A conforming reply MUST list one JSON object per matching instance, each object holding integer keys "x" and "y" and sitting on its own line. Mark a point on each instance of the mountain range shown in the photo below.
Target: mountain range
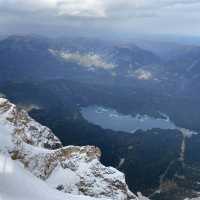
{"x": 52, "y": 79}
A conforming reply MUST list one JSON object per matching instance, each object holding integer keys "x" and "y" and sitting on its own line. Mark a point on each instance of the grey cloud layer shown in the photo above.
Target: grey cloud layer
{"x": 89, "y": 8}
{"x": 110, "y": 13}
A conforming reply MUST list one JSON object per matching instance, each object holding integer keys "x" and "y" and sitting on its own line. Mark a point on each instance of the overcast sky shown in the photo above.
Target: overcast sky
{"x": 119, "y": 17}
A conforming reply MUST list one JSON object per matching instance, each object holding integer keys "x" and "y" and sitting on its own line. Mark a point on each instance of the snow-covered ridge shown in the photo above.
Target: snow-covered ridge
{"x": 20, "y": 126}
{"x": 71, "y": 169}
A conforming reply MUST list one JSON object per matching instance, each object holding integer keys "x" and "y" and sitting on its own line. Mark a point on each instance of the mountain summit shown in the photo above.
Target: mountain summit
{"x": 26, "y": 148}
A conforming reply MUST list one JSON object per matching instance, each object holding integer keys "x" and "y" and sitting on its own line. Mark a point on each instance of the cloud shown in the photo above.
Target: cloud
{"x": 99, "y": 15}
{"x": 73, "y": 8}
{"x": 143, "y": 8}
{"x": 81, "y": 8}
{"x": 141, "y": 74}
{"x": 90, "y": 8}
{"x": 26, "y": 5}
{"x": 89, "y": 60}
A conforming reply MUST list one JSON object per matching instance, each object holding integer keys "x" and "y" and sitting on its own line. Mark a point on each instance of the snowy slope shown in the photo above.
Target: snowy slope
{"x": 71, "y": 169}
{"x": 18, "y": 184}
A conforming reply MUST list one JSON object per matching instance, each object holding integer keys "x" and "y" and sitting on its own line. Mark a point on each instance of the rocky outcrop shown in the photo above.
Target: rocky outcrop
{"x": 24, "y": 128}
{"x": 70, "y": 169}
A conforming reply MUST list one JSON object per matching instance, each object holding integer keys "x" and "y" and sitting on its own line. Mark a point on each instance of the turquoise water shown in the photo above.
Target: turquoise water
{"x": 108, "y": 118}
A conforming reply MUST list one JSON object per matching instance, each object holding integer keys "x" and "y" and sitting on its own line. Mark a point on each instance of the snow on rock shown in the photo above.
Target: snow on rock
{"x": 16, "y": 183}
{"x": 23, "y": 127}
{"x": 141, "y": 197}
{"x": 72, "y": 169}
{"x": 90, "y": 178}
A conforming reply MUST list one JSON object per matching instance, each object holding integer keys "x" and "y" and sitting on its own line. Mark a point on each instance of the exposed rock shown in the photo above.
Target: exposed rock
{"x": 70, "y": 169}
{"x": 25, "y": 128}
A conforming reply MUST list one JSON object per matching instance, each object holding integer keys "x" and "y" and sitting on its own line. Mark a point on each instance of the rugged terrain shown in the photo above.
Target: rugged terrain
{"x": 53, "y": 78}
{"x": 71, "y": 169}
